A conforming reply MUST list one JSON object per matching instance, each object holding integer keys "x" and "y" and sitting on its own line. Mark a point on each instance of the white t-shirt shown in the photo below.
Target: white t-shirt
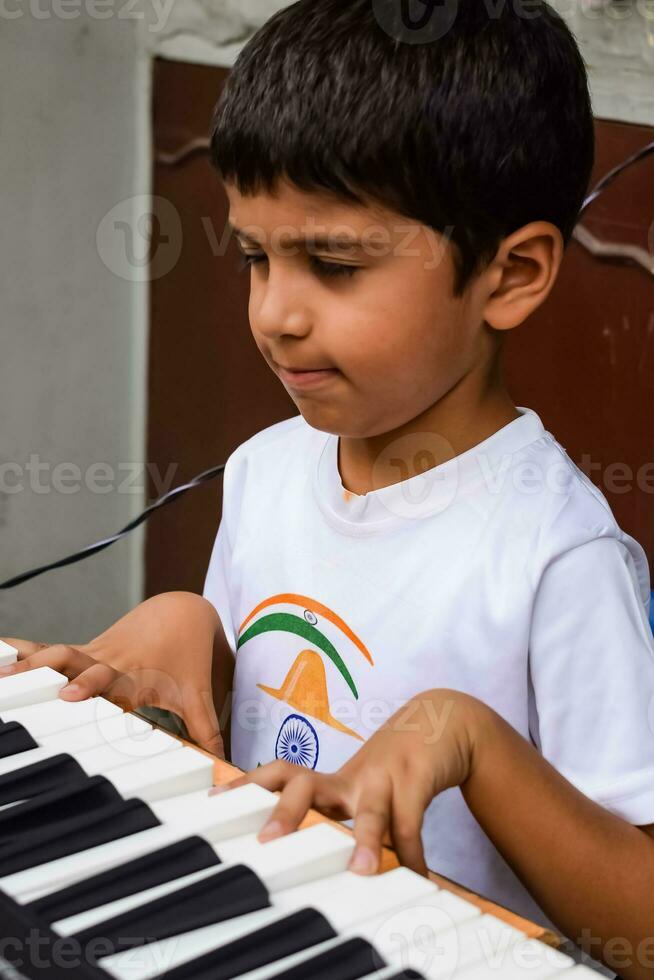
{"x": 501, "y": 573}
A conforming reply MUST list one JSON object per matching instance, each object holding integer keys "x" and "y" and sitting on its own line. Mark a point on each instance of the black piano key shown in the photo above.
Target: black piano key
{"x": 15, "y": 738}
{"x": 40, "y": 777}
{"x": 88, "y": 830}
{"x": 350, "y": 960}
{"x": 166, "y": 864}
{"x": 227, "y": 894}
{"x": 31, "y": 951}
{"x": 407, "y": 975}
{"x": 56, "y": 807}
{"x": 292, "y": 934}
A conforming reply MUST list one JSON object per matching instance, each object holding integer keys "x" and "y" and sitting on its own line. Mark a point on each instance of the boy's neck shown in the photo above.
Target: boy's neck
{"x": 454, "y": 424}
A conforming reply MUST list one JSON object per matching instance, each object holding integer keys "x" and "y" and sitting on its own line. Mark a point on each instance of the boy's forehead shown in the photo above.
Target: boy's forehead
{"x": 300, "y": 214}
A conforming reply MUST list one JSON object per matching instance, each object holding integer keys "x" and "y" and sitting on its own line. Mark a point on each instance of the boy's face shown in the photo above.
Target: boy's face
{"x": 376, "y": 317}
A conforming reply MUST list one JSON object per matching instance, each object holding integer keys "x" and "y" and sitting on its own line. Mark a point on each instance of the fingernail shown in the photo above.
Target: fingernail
{"x": 6, "y": 670}
{"x": 364, "y": 861}
{"x": 270, "y": 831}
{"x": 70, "y": 689}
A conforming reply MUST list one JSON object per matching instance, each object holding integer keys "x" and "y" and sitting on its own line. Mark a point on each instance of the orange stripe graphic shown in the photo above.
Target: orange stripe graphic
{"x": 314, "y": 606}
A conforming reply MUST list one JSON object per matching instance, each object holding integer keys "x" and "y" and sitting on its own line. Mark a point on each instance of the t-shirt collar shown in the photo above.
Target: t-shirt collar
{"x": 424, "y": 494}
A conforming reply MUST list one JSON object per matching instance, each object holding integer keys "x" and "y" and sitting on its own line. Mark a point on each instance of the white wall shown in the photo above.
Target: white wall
{"x": 74, "y": 112}
{"x": 75, "y": 130}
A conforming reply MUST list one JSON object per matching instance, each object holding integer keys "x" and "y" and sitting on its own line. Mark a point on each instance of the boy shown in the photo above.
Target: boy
{"x": 402, "y": 206}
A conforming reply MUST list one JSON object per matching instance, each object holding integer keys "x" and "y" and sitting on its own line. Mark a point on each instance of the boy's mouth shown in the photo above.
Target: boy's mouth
{"x": 305, "y": 378}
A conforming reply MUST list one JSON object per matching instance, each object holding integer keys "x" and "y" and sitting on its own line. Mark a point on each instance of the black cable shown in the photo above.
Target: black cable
{"x": 612, "y": 174}
{"x": 94, "y": 549}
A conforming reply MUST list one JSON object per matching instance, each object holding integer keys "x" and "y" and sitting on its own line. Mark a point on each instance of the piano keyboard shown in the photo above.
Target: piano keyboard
{"x": 116, "y": 863}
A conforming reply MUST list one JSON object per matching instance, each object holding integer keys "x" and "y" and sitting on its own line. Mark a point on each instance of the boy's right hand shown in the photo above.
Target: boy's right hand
{"x": 159, "y": 654}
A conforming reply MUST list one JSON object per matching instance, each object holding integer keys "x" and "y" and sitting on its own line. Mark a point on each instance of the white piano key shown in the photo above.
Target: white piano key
{"x": 149, "y": 961}
{"x": 298, "y": 858}
{"x": 312, "y": 891}
{"x": 290, "y": 898}
{"x": 58, "y": 716}
{"x": 8, "y": 654}
{"x": 247, "y": 849}
{"x": 356, "y": 897}
{"x": 167, "y": 774}
{"x": 353, "y": 901}
{"x": 421, "y": 937}
{"x": 33, "y": 883}
{"x": 441, "y": 953}
{"x": 371, "y": 907}
{"x": 304, "y": 856}
{"x": 30, "y": 687}
{"x": 364, "y": 898}
{"x": 528, "y": 958}
{"x": 149, "y": 780}
{"x": 95, "y": 734}
{"x": 214, "y": 817}
{"x": 435, "y": 912}
{"x": 102, "y": 913}
{"x": 242, "y": 810}
{"x": 102, "y": 758}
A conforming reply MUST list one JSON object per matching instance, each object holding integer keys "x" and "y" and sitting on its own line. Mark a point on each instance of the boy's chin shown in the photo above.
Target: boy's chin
{"x": 326, "y": 420}
{"x": 318, "y": 417}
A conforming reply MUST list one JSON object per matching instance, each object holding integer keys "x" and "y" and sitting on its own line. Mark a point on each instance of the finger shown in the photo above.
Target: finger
{"x": 25, "y": 647}
{"x": 371, "y": 821}
{"x": 95, "y": 680}
{"x": 66, "y": 660}
{"x": 233, "y": 784}
{"x": 201, "y": 721}
{"x": 273, "y": 777}
{"x": 407, "y": 814}
{"x": 295, "y": 801}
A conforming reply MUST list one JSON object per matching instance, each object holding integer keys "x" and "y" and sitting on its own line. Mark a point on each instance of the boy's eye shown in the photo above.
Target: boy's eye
{"x": 328, "y": 269}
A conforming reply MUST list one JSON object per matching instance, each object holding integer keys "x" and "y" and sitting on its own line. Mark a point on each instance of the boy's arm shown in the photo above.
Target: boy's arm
{"x": 591, "y": 871}
{"x": 169, "y": 652}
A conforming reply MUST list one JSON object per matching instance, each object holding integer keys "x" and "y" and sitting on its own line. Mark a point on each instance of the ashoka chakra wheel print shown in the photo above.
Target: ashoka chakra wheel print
{"x": 297, "y": 742}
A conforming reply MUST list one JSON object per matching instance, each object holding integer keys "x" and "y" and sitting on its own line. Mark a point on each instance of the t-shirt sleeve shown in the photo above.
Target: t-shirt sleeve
{"x": 592, "y": 674}
{"x": 218, "y": 580}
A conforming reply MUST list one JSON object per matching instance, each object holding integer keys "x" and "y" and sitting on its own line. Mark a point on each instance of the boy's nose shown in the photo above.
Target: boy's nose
{"x": 280, "y": 314}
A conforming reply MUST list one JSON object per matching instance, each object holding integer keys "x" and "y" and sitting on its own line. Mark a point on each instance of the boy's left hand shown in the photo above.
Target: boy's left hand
{"x": 425, "y": 748}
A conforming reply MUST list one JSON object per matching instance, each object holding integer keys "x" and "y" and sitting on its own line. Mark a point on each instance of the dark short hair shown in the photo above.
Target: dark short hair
{"x": 477, "y": 133}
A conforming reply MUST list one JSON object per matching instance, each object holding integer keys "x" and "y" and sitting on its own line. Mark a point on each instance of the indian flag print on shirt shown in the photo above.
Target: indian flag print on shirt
{"x": 320, "y": 640}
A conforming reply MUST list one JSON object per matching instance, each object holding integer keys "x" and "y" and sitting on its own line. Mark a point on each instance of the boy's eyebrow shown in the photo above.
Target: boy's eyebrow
{"x": 340, "y": 240}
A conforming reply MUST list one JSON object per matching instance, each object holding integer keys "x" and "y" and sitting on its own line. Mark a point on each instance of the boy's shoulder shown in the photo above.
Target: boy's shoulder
{"x": 274, "y": 454}
{"x": 289, "y": 433}
{"x": 567, "y": 495}
{"x": 570, "y": 510}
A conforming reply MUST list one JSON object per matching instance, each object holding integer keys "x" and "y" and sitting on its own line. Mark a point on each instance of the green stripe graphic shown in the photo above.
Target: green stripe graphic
{"x": 287, "y": 623}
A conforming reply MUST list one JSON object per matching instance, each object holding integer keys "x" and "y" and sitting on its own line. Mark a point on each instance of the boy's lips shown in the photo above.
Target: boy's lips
{"x": 309, "y": 378}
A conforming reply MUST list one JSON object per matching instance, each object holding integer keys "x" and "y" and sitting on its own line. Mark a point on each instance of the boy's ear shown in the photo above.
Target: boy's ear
{"x": 522, "y": 274}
